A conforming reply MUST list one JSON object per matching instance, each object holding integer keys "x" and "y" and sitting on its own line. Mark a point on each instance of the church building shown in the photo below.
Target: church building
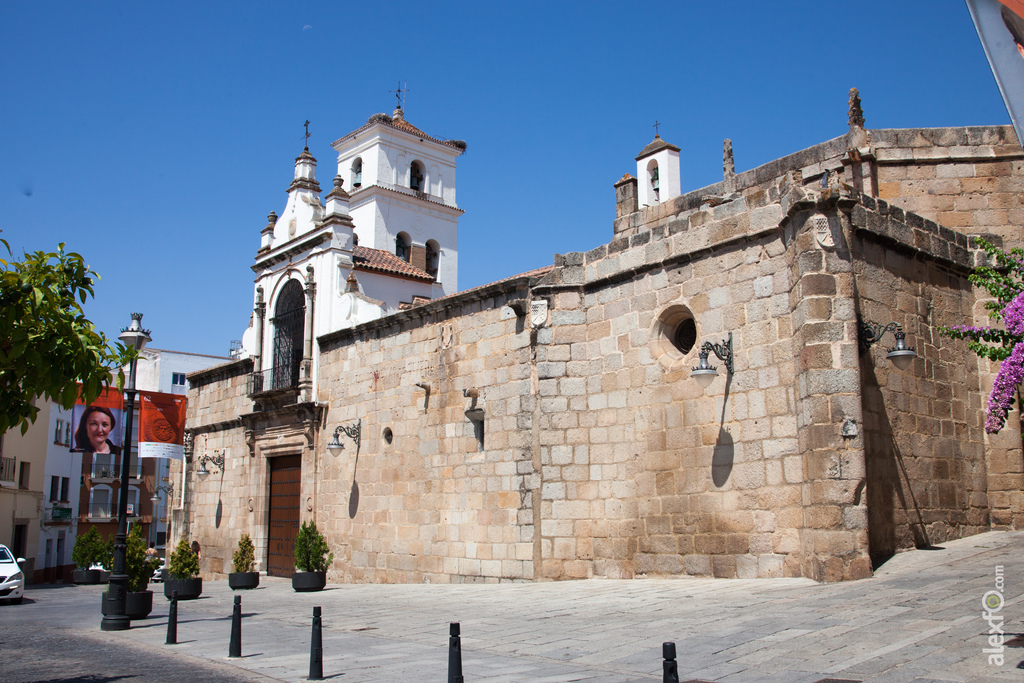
{"x": 747, "y": 380}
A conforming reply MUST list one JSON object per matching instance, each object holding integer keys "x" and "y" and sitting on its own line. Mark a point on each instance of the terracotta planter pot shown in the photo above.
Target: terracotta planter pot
{"x": 86, "y": 577}
{"x": 304, "y": 582}
{"x": 243, "y": 580}
{"x": 136, "y": 605}
{"x": 188, "y": 589}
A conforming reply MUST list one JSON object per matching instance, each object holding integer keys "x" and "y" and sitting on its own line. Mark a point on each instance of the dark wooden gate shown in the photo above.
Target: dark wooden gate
{"x": 285, "y": 476}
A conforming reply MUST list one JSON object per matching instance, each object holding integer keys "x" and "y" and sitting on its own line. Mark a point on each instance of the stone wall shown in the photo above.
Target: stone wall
{"x": 216, "y": 514}
{"x": 924, "y": 428}
{"x": 969, "y": 179}
{"x": 645, "y": 473}
{"x": 428, "y": 497}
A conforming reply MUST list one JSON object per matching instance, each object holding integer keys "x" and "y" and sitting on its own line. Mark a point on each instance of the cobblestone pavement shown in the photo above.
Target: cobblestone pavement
{"x": 918, "y": 619}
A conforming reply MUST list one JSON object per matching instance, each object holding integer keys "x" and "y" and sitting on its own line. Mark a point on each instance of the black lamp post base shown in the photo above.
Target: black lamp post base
{"x": 115, "y": 622}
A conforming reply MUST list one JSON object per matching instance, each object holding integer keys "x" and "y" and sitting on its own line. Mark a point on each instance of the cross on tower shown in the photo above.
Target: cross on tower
{"x": 656, "y": 124}
{"x": 306, "y": 136}
{"x": 398, "y": 94}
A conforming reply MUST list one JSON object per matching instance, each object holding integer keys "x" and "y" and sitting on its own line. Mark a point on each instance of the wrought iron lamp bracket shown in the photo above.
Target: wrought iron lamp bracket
{"x": 352, "y": 431}
{"x": 723, "y": 351}
{"x": 217, "y": 460}
{"x": 871, "y": 332}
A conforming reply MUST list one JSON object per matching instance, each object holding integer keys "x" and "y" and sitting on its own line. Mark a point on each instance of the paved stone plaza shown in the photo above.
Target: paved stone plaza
{"x": 918, "y": 619}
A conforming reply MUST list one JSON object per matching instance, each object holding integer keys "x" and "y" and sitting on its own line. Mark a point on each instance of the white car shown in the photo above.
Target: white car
{"x": 12, "y": 580}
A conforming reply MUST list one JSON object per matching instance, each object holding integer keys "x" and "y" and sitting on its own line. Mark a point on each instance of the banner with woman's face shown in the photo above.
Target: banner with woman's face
{"x": 99, "y": 426}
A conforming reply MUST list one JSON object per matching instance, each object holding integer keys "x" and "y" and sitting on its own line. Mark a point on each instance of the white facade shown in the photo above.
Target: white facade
{"x": 61, "y": 491}
{"x": 342, "y": 252}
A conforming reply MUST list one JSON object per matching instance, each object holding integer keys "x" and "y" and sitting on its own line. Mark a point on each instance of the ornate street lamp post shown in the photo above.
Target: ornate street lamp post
{"x": 115, "y": 619}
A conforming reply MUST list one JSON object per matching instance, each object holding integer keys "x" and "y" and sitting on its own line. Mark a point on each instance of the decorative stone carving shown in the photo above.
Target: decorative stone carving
{"x": 538, "y": 312}
{"x": 822, "y": 231}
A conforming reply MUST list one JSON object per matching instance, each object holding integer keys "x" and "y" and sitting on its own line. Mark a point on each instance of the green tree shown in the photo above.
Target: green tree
{"x": 47, "y": 345}
{"x": 310, "y": 549}
{"x": 244, "y": 559}
{"x": 89, "y": 549}
{"x": 137, "y": 566}
{"x": 183, "y": 562}
{"x": 1004, "y": 282}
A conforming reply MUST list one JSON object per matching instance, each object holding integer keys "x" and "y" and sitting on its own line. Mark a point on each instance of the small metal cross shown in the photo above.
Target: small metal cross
{"x": 398, "y": 94}
{"x": 306, "y": 136}
{"x": 656, "y": 124}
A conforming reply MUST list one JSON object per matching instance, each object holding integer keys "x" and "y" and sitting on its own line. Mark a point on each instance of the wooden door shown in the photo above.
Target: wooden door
{"x": 285, "y": 483}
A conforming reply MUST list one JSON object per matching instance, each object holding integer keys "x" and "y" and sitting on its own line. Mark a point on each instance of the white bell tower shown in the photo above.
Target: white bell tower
{"x": 402, "y": 187}
{"x": 657, "y": 173}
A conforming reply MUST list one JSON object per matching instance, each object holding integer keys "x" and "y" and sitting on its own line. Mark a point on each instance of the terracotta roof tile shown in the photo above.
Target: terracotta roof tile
{"x": 656, "y": 145}
{"x": 379, "y": 261}
{"x": 398, "y": 121}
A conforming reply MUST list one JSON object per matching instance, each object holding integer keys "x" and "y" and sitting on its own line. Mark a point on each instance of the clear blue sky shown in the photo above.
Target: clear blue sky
{"x": 154, "y": 139}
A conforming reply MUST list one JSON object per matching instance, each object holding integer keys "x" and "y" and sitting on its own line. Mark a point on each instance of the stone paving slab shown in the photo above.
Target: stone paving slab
{"x": 918, "y": 619}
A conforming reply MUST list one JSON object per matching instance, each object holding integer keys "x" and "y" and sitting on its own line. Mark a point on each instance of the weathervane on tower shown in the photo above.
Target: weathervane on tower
{"x": 399, "y": 94}
{"x": 306, "y": 136}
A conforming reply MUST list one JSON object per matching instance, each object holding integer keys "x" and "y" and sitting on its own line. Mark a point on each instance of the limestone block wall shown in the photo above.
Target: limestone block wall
{"x": 218, "y": 394}
{"x": 834, "y": 514}
{"x": 434, "y": 495}
{"x": 215, "y": 512}
{"x": 643, "y": 471}
{"x": 924, "y": 439}
{"x": 970, "y": 179}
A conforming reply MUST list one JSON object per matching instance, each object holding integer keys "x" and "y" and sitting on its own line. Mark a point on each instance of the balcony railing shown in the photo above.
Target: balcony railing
{"x": 8, "y": 466}
{"x": 102, "y": 510}
{"x": 281, "y": 377}
{"x": 112, "y": 470}
{"x": 104, "y": 471}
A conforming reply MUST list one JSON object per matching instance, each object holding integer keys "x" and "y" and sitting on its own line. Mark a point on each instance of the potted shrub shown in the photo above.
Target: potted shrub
{"x": 183, "y": 573}
{"x": 312, "y": 557}
{"x": 244, "y": 575}
{"x": 140, "y": 569}
{"x": 89, "y": 550}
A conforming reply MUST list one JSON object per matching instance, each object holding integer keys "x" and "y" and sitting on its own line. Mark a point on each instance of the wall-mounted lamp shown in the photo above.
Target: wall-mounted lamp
{"x": 217, "y": 460}
{"x": 166, "y": 488}
{"x": 352, "y": 431}
{"x": 425, "y": 386}
{"x": 705, "y": 374}
{"x": 901, "y": 355}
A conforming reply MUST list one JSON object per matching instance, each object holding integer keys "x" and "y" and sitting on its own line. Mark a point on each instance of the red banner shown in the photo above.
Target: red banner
{"x": 161, "y": 425}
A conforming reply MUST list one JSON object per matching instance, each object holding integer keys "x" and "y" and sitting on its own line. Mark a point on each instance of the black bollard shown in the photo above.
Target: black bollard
{"x": 669, "y": 666}
{"x": 316, "y": 649}
{"x": 454, "y": 654}
{"x": 172, "y": 620}
{"x": 235, "y": 647}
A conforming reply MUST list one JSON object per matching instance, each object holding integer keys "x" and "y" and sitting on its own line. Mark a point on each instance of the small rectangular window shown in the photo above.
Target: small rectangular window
{"x": 54, "y": 489}
{"x": 23, "y": 469}
{"x": 178, "y": 379}
{"x": 65, "y": 484}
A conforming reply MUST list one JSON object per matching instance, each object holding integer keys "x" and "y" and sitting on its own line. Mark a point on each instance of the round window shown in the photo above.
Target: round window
{"x": 685, "y": 335}
{"x": 673, "y": 336}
